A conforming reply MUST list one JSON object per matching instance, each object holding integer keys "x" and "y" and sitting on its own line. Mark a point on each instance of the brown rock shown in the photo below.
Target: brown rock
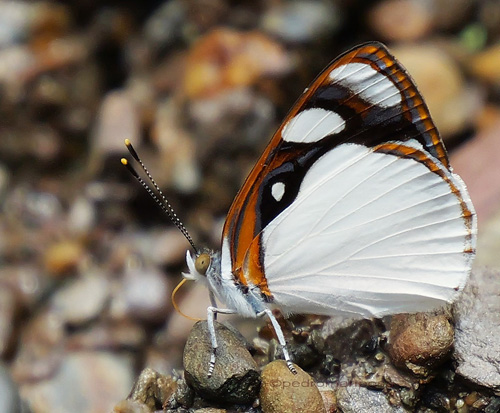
{"x": 420, "y": 341}
{"x": 285, "y": 392}
{"x": 152, "y": 389}
{"x": 225, "y": 59}
{"x": 401, "y": 19}
{"x": 84, "y": 382}
{"x": 452, "y": 103}
{"x": 131, "y": 406}
{"x": 63, "y": 257}
{"x": 329, "y": 400}
{"x": 485, "y": 64}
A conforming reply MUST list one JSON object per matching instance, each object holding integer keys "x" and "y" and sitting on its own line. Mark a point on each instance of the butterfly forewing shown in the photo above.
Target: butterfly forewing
{"x": 355, "y": 183}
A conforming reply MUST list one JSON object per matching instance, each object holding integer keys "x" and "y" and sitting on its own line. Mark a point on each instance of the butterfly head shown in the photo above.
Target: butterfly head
{"x": 202, "y": 266}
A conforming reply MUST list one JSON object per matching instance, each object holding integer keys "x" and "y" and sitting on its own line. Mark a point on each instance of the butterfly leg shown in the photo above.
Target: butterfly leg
{"x": 211, "y": 316}
{"x": 213, "y": 302}
{"x": 281, "y": 337}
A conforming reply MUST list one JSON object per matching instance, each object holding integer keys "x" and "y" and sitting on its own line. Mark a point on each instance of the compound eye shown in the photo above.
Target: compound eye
{"x": 202, "y": 263}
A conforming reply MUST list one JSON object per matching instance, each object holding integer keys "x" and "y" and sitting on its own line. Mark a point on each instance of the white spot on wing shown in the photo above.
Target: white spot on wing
{"x": 312, "y": 125}
{"x": 372, "y": 86}
{"x": 278, "y": 190}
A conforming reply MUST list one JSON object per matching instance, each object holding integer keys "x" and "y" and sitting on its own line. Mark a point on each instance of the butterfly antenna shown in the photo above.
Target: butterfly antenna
{"x": 163, "y": 202}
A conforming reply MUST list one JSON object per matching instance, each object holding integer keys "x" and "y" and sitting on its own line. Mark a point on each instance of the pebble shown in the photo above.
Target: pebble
{"x": 301, "y": 21}
{"x": 183, "y": 396}
{"x": 41, "y": 348}
{"x": 84, "y": 382}
{"x": 152, "y": 389}
{"x": 117, "y": 120}
{"x": 235, "y": 378}
{"x": 453, "y": 103}
{"x": 146, "y": 294}
{"x": 485, "y": 64}
{"x": 166, "y": 24}
{"x": 355, "y": 399}
{"x": 161, "y": 246}
{"x": 285, "y": 392}
{"x": 477, "y": 343}
{"x": 329, "y": 400}
{"x": 10, "y": 401}
{"x": 344, "y": 338}
{"x": 81, "y": 216}
{"x": 8, "y": 312}
{"x": 131, "y": 406}
{"x": 82, "y": 300}
{"x": 177, "y": 152}
{"x": 106, "y": 335}
{"x": 420, "y": 342}
{"x": 62, "y": 258}
{"x": 15, "y": 64}
{"x": 26, "y": 281}
{"x": 401, "y": 20}
{"x": 244, "y": 58}
{"x": 239, "y": 111}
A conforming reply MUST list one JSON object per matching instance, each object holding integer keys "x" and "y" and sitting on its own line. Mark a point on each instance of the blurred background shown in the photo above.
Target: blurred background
{"x": 87, "y": 260}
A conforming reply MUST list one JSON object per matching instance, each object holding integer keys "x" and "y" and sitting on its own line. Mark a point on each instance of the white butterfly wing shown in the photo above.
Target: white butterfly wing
{"x": 370, "y": 233}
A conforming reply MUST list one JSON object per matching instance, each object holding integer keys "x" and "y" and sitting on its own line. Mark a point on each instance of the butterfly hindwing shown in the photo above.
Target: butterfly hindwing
{"x": 326, "y": 197}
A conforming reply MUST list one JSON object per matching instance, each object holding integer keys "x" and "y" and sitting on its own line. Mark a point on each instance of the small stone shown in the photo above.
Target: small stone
{"x": 117, "y": 120}
{"x": 329, "y": 400}
{"x": 9, "y": 400}
{"x": 355, "y": 399}
{"x": 420, "y": 341}
{"x": 344, "y": 338}
{"x": 152, "y": 389}
{"x": 235, "y": 378}
{"x": 285, "y": 392}
{"x": 183, "y": 396}
{"x": 401, "y": 19}
{"x": 62, "y": 258}
{"x": 486, "y": 63}
{"x": 477, "y": 343}
{"x": 436, "y": 400}
{"x": 82, "y": 300}
{"x": 122, "y": 334}
{"x": 244, "y": 57}
{"x": 301, "y": 21}
{"x": 82, "y": 216}
{"x": 9, "y": 307}
{"x": 41, "y": 349}
{"x": 146, "y": 292}
{"x": 453, "y": 103}
{"x": 84, "y": 382}
{"x": 397, "y": 378}
{"x": 210, "y": 410}
{"x": 131, "y": 406}
{"x": 179, "y": 164}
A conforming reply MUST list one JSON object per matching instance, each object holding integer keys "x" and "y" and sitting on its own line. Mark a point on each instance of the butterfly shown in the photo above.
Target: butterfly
{"x": 353, "y": 208}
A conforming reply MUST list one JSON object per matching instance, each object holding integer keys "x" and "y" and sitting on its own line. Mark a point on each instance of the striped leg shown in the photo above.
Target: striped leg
{"x": 211, "y": 315}
{"x": 281, "y": 337}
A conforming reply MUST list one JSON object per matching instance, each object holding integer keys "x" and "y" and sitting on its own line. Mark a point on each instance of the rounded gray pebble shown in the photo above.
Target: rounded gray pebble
{"x": 235, "y": 379}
